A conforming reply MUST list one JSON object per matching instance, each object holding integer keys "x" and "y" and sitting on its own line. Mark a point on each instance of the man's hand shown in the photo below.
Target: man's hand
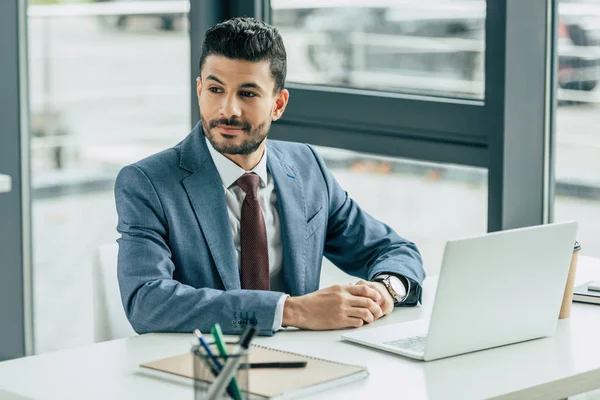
{"x": 335, "y": 307}
{"x": 386, "y": 303}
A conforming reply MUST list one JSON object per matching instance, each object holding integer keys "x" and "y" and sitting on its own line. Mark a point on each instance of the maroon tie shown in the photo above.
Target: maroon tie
{"x": 253, "y": 237}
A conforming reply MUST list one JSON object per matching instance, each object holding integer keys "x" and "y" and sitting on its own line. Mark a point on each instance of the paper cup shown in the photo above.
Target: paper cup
{"x": 565, "y": 309}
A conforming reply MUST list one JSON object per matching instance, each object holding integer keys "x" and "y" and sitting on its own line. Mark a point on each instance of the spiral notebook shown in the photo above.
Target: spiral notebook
{"x": 276, "y": 383}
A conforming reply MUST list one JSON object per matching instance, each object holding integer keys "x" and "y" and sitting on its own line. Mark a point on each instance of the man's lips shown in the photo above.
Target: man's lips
{"x": 228, "y": 129}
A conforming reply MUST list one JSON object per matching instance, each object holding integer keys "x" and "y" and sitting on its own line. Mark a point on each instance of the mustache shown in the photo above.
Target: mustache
{"x": 231, "y": 122}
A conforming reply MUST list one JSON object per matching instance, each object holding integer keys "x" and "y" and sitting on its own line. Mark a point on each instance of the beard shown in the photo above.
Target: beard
{"x": 254, "y": 139}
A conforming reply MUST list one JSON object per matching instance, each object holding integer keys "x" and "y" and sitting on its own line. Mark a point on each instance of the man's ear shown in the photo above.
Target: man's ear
{"x": 198, "y": 87}
{"x": 280, "y": 104}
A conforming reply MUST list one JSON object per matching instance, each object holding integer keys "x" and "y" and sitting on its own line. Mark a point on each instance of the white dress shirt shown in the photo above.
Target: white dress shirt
{"x": 267, "y": 199}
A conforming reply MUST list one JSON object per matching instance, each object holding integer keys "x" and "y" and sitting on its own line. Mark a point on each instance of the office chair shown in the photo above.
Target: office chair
{"x": 110, "y": 321}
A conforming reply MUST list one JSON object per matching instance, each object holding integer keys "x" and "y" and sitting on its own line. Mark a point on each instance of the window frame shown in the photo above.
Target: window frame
{"x": 16, "y": 314}
{"x": 510, "y": 132}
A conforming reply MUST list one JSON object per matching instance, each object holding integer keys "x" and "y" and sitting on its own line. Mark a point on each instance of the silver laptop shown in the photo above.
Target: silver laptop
{"x": 496, "y": 289}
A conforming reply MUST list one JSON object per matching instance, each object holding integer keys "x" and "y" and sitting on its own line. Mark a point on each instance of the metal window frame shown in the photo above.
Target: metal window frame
{"x": 520, "y": 104}
{"x": 510, "y": 132}
{"x": 16, "y": 314}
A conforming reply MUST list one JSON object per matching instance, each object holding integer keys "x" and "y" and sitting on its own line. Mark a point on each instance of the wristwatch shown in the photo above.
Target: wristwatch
{"x": 394, "y": 286}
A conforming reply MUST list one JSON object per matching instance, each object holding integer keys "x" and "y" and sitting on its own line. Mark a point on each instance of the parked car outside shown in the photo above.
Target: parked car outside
{"x": 433, "y": 39}
{"x": 579, "y": 44}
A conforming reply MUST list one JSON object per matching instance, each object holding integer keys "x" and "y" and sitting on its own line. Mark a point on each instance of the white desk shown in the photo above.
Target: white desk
{"x": 565, "y": 364}
{"x": 5, "y": 183}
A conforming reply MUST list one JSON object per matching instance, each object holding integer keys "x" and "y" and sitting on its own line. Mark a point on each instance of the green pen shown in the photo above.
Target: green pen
{"x": 220, "y": 342}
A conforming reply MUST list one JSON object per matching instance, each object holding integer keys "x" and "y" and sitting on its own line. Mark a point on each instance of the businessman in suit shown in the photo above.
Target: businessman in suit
{"x": 230, "y": 227}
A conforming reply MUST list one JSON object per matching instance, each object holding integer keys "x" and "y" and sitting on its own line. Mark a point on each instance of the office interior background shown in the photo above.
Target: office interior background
{"x": 442, "y": 118}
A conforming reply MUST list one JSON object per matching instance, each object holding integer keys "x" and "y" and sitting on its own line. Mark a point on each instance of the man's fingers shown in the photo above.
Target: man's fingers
{"x": 381, "y": 289}
{"x": 363, "y": 313}
{"x": 367, "y": 304}
{"x": 387, "y": 301}
{"x": 354, "y": 322}
{"x": 364, "y": 291}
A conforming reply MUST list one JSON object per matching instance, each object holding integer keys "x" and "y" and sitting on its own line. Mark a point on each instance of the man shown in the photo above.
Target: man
{"x": 232, "y": 228}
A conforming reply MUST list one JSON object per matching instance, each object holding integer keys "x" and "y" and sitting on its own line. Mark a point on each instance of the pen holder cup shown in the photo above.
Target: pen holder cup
{"x": 204, "y": 369}
{"x": 565, "y": 308}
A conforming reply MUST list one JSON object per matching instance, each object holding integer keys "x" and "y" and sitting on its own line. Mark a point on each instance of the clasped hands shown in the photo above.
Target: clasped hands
{"x": 338, "y": 306}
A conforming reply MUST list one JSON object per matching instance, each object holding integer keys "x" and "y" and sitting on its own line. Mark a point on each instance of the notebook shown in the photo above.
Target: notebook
{"x": 276, "y": 383}
{"x": 583, "y": 295}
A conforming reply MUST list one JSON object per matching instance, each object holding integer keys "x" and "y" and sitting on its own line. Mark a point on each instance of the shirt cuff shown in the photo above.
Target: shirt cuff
{"x": 278, "y": 320}
{"x": 408, "y": 287}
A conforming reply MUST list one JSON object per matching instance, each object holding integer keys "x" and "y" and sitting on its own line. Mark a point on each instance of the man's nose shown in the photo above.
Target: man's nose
{"x": 230, "y": 107}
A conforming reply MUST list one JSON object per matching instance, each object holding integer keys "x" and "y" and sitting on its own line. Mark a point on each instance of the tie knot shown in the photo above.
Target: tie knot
{"x": 249, "y": 184}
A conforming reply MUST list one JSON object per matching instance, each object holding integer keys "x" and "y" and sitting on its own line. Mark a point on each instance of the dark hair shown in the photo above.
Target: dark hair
{"x": 247, "y": 39}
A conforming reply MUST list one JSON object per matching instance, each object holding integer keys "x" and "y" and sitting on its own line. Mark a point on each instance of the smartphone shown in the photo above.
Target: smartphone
{"x": 595, "y": 286}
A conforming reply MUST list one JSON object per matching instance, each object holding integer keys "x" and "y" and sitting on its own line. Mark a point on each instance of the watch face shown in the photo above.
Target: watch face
{"x": 398, "y": 287}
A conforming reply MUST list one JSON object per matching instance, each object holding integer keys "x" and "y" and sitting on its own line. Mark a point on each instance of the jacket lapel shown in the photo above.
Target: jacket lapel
{"x": 206, "y": 194}
{"x": 291, "y": 207}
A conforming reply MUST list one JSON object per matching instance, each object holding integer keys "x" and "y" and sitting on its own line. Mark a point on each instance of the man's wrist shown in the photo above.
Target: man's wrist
{"x": 278, "y": 319}
{"x": 385, "y": 290}
{"x": 290, "y": 312}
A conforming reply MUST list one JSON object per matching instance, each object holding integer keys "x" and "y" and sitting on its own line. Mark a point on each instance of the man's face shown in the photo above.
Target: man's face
{"x": 237, "y": 103}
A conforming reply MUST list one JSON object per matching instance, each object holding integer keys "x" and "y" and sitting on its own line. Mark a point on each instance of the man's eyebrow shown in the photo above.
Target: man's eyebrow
{"x": 250, "y": 85}
{"x": 214, "y": 78}
{"x": 247, "y": 85}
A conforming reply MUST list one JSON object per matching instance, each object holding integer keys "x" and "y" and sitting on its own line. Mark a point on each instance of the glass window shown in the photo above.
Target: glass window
{"x": 107, "y": 88}
{"x": 427, "y": 203}
{"x": 410, "y": 46}
{"x": 578, "y": 119}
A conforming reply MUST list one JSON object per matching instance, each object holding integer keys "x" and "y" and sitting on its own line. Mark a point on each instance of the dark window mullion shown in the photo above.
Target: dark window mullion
{"x": 386, "y": 145}
{"x": 517, "y": 90}
{"x": 16, "y": 334}
{"x": 460, "y": 120}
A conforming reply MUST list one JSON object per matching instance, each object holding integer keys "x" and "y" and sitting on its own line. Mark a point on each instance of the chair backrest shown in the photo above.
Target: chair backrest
{"x": 110, "y": 321}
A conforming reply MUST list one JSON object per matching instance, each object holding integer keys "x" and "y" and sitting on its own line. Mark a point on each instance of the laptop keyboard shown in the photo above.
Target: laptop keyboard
{"x": 415, "y": 344}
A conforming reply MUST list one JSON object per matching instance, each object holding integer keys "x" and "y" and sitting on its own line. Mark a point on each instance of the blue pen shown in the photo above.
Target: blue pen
{"x": 218, "y": 365}
{"x": 207, "y": 349}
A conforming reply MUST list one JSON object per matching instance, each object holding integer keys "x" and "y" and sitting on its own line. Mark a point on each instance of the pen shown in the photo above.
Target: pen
{"x": 218, "y": 335}
{"x": 210, "y": 366}
{"x": 207, "y": 361}
{"x": 283, "y": 364}
{"x": 218, "y": 368}
{"x": 219, "y": 341}
{"x": 207, "y": 349}
{"x": 232, "y": 364}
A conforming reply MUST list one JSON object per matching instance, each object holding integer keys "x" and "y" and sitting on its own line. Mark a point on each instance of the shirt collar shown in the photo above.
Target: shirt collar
{"x": 231, "y": 172}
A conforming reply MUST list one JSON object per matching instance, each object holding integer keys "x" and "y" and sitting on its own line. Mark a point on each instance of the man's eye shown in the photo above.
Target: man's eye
{"x": 248, "y": 94}
{"x": 215, "y": 89}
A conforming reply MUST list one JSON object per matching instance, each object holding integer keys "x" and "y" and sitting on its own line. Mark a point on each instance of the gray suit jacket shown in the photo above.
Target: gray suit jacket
{"x": 177, "y": 269}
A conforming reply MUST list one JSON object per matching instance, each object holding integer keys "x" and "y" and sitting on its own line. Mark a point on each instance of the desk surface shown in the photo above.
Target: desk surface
{"x": 559, "y": 366}
{"x": 5, "y": 183}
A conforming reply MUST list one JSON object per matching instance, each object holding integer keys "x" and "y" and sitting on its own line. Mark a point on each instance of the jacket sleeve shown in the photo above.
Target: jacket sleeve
{"x": 152, "y": 299}
{"x": 364, "y": 247}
